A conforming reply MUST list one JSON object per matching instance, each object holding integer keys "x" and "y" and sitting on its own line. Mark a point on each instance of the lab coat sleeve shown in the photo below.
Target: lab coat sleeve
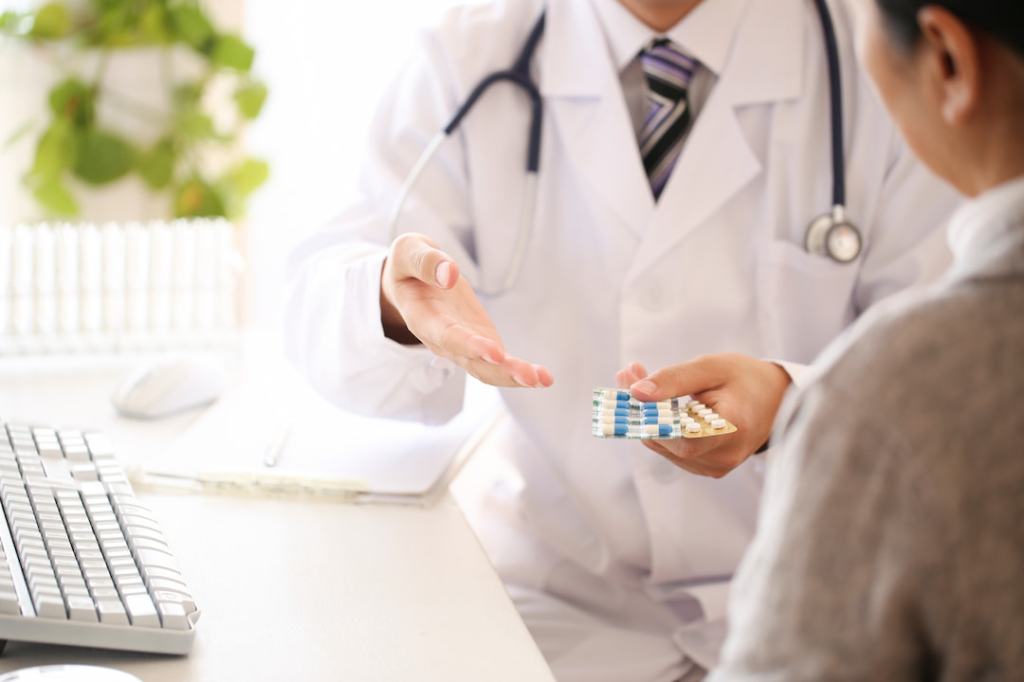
{"x": 797, "y": 371}
{"x": 334, "y": 332}
{"x": 907, "y": 243}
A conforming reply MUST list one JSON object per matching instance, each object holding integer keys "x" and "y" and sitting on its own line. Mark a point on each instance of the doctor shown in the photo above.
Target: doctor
{"x": 654, "y": 239}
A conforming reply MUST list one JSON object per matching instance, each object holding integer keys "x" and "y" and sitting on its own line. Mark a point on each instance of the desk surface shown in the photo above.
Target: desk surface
{"x": 299, "y": 589}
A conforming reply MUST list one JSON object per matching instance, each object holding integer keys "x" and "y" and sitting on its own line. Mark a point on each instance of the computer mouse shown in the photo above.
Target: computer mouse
{"x": 170, "y": 385}
{"x": 68, "y": 673}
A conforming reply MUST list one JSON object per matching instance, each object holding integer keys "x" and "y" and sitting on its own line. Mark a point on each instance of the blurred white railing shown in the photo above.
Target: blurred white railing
{"x": 115, "y": 287}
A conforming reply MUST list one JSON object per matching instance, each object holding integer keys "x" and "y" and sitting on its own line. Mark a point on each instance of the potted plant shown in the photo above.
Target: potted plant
{"x": 150, "y": 92}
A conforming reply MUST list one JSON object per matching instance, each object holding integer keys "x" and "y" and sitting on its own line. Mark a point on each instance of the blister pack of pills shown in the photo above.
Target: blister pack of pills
{"x": 618, "y": 415}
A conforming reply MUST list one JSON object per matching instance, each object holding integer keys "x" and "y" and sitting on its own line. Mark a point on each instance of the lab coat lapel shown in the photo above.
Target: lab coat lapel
{"x": 764, "y": 67}
{"x": 581, "y": 89}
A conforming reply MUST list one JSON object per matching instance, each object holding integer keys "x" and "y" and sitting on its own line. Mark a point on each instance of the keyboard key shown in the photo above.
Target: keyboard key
{"x": 70, "y": 583}
{"x": 141, "y": 611}
{"x": 111, "y": 612}
{"x": 185, "y": 600}
{"x": 67, "y": 573}
{"x": 56, "y": 469}
{"x": 51, "y": 607}
{"x": 144, "y": 543}
{"x": 119, "y": 558}
{"x": 172, "y": 616}
{"x": 166, "y": 584}
{"x": 47, "y": 592}
{"x": 132, "y": 519}
{"x": 50, "y": 451}
{"x": 9, "y": 602}
{"x": 148, "y": 557}
{"x": 129, "y": 584}
{"x": 150, "y": 572}
{"x": 81, "y": 609}
{"x": 84, "y": 472}
{"x": 106, "y": 593}
{"x": 134, "y": 588}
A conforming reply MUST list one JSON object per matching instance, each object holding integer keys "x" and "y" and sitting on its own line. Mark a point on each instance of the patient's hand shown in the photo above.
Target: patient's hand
{"x": 743, "y": 390}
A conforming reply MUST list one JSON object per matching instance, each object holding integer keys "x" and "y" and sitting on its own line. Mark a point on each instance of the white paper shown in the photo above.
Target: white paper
{"x": 382, "y": 456}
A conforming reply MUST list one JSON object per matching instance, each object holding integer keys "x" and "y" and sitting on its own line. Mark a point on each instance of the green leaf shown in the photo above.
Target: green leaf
{"x": 191, "y": 26}
{"x": 17, "y": 134}
{"x": 102, "y": 157}
{"x": 195, "y": 124}
{"x": 74, "y": 100}
{"x": 196, "y": 197}
{"x": 250, "y": 98}
{"x": 52, "y": 20}
{"x": 153, "y": 24}
{"x": 55, "y": 198}
{"x": 247, "y": 176}
{"x": 113, "y": 27}
{"x": 186, "y": 95}
{"x": 239, "y": 182}
{"x": 16, "y": 23}
{"x": 55, "y": 150}
{"x": 230, "y": 51}
{"x": 10, "y": 22}
{"x": 156, "y": 166}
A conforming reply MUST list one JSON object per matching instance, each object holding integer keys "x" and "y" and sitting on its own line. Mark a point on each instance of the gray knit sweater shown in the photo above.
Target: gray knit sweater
{"x": 891, "y": 544}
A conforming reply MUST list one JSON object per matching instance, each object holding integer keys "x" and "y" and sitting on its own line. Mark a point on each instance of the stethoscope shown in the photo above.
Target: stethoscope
{"x": 831, "y": 234}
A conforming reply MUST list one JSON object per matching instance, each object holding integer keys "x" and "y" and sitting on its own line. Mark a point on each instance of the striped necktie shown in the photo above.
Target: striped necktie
{"x": 668, "y": 72}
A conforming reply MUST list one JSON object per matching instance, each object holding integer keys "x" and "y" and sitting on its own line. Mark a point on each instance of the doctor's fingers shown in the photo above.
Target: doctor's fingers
{"x": 416, "y": 256}
{"x": 713, "y": 457}
{"x": 684, "y": 464}
{"x": 467, "y": 348}
{"x": 527, "y": 374}
{"x": 511, "y": 373}
{"x": 503, "y": 377}
{"x": 489, "y": 374}
{"x": 688, "y": 378}
{"x": 629, "y": 376}
{"x": 459, "y": 342}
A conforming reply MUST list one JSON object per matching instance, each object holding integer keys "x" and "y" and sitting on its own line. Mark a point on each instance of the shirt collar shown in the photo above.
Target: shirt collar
{"x": 988, "y": 231}
{"x": 706, "y": 33}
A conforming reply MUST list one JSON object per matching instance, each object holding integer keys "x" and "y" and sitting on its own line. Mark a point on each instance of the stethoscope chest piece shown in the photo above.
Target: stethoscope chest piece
{"x": 833, "y": 236}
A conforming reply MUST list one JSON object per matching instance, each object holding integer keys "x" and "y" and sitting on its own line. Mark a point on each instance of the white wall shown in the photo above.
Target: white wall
{"x": 326, "y": 62}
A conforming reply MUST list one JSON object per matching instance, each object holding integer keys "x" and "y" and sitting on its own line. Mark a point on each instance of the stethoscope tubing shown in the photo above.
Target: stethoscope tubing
{"x": 835, "y": 92}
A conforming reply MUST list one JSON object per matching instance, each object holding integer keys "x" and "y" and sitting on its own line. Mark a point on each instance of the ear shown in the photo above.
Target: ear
{"x": 952, "y": 61}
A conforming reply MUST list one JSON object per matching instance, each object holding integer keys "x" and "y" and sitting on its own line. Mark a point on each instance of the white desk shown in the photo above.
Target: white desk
{"x": 297, "y": 590}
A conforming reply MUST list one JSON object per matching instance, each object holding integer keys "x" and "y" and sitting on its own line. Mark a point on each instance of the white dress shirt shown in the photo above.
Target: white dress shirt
{"x": 706, "y": 34}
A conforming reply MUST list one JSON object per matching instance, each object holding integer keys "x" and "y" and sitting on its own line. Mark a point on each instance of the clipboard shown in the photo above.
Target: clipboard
{"x": 272, "y": 437}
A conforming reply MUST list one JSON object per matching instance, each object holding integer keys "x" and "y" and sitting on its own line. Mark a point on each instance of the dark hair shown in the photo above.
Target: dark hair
{"x": 1001, "y": 19}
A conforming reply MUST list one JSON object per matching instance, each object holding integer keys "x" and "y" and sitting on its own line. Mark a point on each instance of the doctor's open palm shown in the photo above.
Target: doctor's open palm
{"x": 423, "y": 299}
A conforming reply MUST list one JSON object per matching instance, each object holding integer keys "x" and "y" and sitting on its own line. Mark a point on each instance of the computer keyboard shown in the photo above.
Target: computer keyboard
{"x": 82, "y": 562}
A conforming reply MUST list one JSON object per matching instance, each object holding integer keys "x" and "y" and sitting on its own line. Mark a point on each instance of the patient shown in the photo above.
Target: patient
{"x": 891, "y": 544}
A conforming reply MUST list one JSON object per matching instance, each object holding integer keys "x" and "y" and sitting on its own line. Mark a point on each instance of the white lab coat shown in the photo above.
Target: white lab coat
{"x": 610, "y": 277}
